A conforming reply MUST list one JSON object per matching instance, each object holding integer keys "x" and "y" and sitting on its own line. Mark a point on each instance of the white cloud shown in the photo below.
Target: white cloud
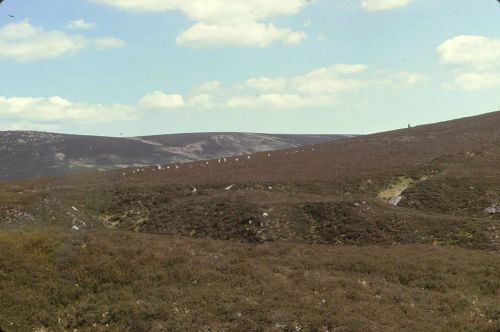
{"x": 57, "y": 109}
{"x": 214, "y": 10}
{"x": 343, "y": 68}
{"x": 326, "y": 79}
{"x": 475, "y": 61}
{"x": 160, "y": 100}
{"x": 253, "y": 34}
{"x": 24, "y": 42}
{"x": 319, "y": 88}
{"x": 376, "y": 5}
{"x": 210, "y": 86}
{"x": 25, "y": 125}
{"x": 330, "y": 80}
{"x": 221, "y": 23}
{"x": 279, "y": 101}
{"x": 108, "y": 42}
{"x": 80, "y": 25}
{"x": 474, "y": 81}
{"x": 268, "y": 84}
{"x": 202, "y": 101}
{"x": 406, "y": 78}
{"x": 466, "y": 50}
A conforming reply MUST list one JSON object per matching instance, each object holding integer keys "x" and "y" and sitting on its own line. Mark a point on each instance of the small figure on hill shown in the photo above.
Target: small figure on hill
{"x": 409, "y": 126}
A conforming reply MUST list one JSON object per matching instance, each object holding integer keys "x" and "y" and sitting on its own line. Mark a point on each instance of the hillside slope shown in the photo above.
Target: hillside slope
{"x": 396, "y": 231}
{"x": 33, "y": 154}
{"x": 443, "y": 177}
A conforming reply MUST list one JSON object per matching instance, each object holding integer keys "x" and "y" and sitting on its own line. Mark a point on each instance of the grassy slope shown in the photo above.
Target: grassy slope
{"x": 431, "y": 264}
{"x": 118, "y": 281}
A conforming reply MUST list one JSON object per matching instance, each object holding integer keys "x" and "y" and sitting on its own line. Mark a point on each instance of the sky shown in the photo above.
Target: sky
{"x": 144, "y": 67}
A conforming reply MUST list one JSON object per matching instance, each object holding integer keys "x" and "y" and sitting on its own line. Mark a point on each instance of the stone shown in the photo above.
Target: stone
{"x": 395, "y": 200}
{"x": 492, "y": 210}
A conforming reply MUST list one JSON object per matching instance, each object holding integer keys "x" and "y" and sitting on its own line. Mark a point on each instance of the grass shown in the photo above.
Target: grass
{"x": 120, "y": 281}
{"x": 396, "y": 188}
{"x": 298, "y": 244}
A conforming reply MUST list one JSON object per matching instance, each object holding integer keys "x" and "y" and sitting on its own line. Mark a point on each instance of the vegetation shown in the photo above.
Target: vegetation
{"x": 118, "y": 281}
{"x": 293, "y": 241}
{"x": 396, "y": 188}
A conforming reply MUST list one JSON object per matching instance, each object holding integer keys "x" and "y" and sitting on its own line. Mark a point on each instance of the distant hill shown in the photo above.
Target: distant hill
{"x": 28, "y": 154}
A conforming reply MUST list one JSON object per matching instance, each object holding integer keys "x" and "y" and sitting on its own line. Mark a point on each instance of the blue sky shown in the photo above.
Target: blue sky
{"x": 139, "y": 67}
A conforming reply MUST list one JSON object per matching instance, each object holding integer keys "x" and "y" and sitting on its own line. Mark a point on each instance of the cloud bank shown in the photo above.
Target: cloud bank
{"x": 80, "y": 24}
{"x": 55, "y": 110}
{"x": 474, "y": 61}
{"x": 23, "y": 42}
{"x": 320, "y": 88}
{"x": 222, "y": 23}
{"x": 378, "y": 5}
